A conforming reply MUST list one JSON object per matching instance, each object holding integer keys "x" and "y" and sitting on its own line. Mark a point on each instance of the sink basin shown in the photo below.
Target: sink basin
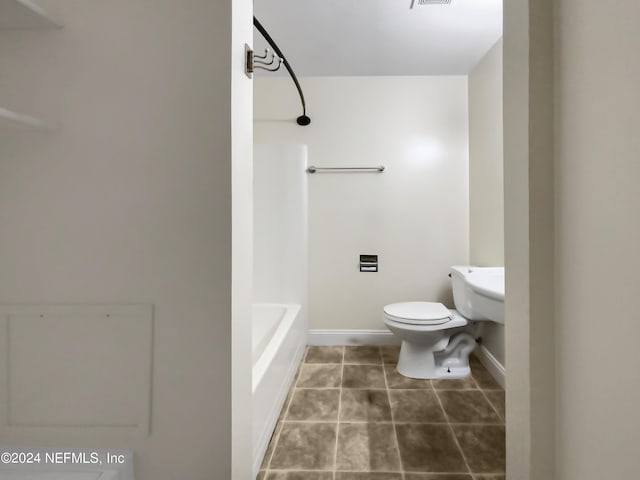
{"x": 487, "y": 281}
{"x": 487, "y": 292}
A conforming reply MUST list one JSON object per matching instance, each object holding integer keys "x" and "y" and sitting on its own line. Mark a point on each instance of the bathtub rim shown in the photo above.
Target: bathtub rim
{"x": 275, "y": 376}
{"x": 292, "y": 311}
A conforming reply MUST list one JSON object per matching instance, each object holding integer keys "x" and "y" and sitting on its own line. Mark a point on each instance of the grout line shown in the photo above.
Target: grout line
{"x": 355, "y": 363}
{"x": 495, "y": 409}
{"x": 288, "y": 404}
{"x": 307, "y": 470}
{"x": 386, "y": 422}
{"x": 487, "y": 399}
{"x": 453, "y": 433}
{"x": 491, "y": 405}
{"x": 393, "y": 424}
{"x": 473, "y": 379}
{"x": 335, "y": 453}
{"x": 369, "y": 364}
{"x": 397, "y": 388}
{"x": 335, "y": 388}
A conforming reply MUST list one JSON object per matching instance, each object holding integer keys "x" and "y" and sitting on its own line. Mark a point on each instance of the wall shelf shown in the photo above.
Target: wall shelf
{"x": 26, "y": 14}
{"x": 9, "y": 119}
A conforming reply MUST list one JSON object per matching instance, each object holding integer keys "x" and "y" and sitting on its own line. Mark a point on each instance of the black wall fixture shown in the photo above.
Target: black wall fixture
{"x": 302, "y": 119}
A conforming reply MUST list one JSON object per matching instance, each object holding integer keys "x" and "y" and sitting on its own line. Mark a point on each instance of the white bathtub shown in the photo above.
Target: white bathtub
{"x": 279, "y": 339}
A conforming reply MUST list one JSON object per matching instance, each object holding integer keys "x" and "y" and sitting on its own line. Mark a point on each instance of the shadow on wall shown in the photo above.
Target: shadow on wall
{"x": 445, "y": 295}
{"x": 276, "y": 120}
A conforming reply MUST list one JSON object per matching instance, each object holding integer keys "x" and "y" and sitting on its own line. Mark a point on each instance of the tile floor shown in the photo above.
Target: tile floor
{"x": 351, "y": 416}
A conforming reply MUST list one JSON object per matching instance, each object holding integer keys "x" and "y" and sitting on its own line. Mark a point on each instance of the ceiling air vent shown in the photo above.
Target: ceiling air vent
{"x": 429, "y": 2}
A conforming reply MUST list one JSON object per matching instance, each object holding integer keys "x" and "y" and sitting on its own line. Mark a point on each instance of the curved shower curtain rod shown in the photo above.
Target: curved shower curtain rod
{"x": 302, "y": 119}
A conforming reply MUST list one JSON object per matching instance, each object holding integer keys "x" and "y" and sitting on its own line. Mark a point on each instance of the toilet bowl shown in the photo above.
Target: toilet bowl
{"x": 437, "y": 341}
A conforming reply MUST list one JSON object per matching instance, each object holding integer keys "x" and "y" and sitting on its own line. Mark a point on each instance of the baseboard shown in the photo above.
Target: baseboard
{"x": 352, "y": 337}
{"x": 495, "y": 368}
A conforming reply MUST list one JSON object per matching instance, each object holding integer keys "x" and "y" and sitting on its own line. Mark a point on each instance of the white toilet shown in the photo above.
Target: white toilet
{"x": 436, "y": 341}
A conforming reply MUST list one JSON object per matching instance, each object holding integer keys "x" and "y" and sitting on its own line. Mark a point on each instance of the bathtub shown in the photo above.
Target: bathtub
{"x": 278, "y": 343}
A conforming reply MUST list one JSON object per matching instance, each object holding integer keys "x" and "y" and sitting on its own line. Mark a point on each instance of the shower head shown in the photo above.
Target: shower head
{"x": 303, "y": 120}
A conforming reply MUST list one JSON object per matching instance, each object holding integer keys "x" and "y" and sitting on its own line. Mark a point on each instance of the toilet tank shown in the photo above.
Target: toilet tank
{"x": 461, "y": 290}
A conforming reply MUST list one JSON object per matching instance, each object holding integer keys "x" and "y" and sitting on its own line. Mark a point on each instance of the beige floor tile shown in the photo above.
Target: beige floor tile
{"x": 352, "y": 406}
{"x": 455, "y": 384}
{"x": 496, "y": 397}
{"x": 395, "y": 380}
{"x": 365, "y": 406}
{"x": 363, "y": 355}
{"x": 367, "y": 447}
{"x": 437, "y": 476}
{"x": 299, "y": 476}
{"x": 363, "y": 376}
{"x": 390, "y": 354}
{"x": 417, "y": 406}
{"x": 271, "y": 447}
{"x": 483, "y": 378}
{"x": 474, "y": 360}
{"x": 467, "y": 406}
{"x": 319, "y": 376}
{"x": 367, "y": 476}
{"x": 483, "y": 447}
{"x": 285, "y": 406}
{"x": 314, "y": 405}
{"x": 305, "y": 446}
{"x": 429, "y": 448}
{"x": 317, "y": 354}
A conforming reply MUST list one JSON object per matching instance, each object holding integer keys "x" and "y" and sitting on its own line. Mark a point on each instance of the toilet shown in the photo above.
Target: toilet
{"x": 437, "y": 341}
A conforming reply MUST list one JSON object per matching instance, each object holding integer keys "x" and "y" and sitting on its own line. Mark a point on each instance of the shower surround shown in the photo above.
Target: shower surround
{"x": 280, "y": 327}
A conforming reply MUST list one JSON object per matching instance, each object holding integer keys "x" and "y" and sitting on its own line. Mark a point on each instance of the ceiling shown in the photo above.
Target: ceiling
{"x": 380, "y": 37}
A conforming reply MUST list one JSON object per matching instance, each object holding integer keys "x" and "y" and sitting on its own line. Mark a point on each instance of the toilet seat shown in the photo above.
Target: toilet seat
{"x": 418, "y": 313}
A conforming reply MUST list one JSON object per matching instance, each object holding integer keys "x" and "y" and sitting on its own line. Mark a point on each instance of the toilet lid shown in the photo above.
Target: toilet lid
{"x": 422, "y": 313}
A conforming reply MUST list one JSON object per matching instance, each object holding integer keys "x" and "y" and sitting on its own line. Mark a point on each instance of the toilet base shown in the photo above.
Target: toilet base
{"x": 440, "y": 373}
{"x": 422, "y": 362}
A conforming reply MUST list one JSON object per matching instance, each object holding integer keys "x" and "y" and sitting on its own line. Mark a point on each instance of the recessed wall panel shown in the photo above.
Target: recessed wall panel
{"x": 81, "y": 366}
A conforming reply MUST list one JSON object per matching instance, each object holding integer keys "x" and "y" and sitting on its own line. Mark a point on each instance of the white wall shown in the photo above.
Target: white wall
{"x": 486, "y": 192}
{"x": 242, "y": 239}
{"x": 529, "y": 256}
{"x": 597, "y": 237}
{"x": 280, "y": 273}
{"x": 130, "y": 201}
{"x": 571, "y": 226}
{"x": 414, "y": 216}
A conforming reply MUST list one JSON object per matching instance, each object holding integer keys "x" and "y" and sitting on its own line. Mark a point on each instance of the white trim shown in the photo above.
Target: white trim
{"x": 352, "y": 337}
{"x": 495, "y": 368}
